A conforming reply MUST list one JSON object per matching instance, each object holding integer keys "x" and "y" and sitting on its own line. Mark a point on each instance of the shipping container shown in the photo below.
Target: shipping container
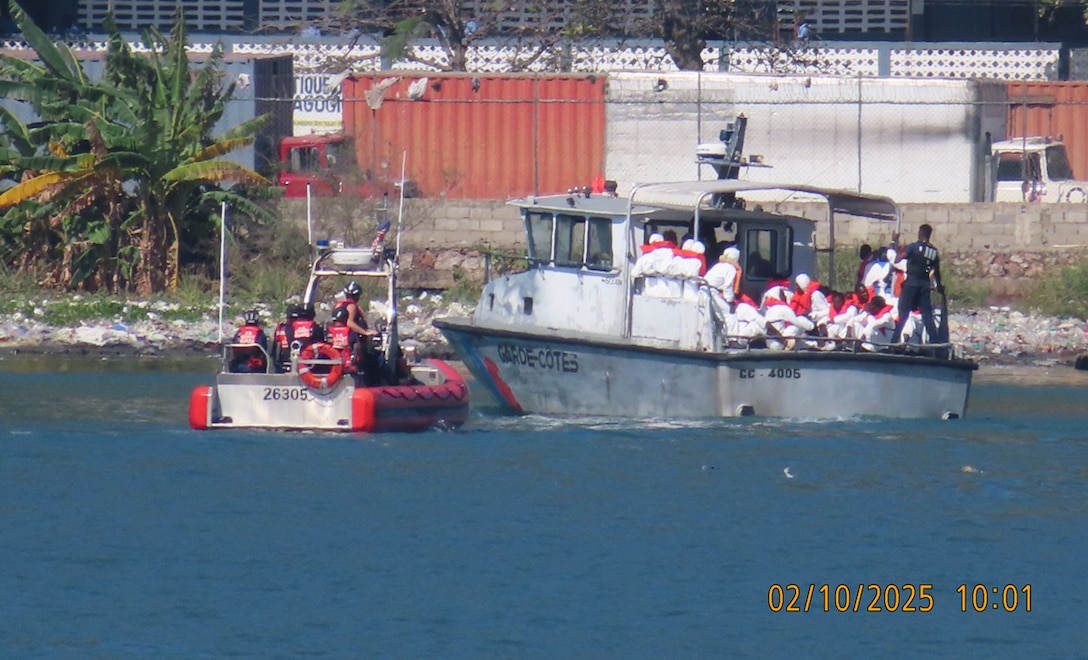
{"x": 1053, "y": 109}
{"x": 481, "y": 136}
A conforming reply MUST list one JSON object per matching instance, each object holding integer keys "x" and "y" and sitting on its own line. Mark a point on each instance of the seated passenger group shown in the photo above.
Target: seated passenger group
{"x": 347, "y": 332}
{"x": 788, "y": 312}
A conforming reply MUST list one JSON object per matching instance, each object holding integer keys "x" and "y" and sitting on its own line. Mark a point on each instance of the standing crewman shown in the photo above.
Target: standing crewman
{"x": 363, "y": 354}
{"x": 923, "y": 273}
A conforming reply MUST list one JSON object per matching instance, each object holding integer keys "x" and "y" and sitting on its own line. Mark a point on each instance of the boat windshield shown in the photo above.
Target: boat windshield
{"x": 570, "y": 240}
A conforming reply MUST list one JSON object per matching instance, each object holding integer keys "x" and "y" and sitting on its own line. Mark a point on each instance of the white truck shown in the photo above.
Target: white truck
{"x": 1035, "y": 169}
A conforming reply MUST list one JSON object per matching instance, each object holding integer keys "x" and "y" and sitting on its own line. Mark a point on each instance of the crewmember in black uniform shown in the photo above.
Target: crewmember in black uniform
{"x": 923, "y": 263}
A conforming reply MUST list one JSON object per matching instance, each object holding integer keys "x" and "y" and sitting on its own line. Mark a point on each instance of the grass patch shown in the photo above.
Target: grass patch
{"x": 1062, "y": 292}
{"x": 965, "y": 293}
{"x": 465, "y": 289}
{"x": 846, "y": 268}
{"x": 70, "y": 312}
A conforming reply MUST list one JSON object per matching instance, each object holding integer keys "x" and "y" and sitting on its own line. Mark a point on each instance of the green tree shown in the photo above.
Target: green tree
{"x": 457, "y": 26}
{"x": 120, "y": 171}
{"x": 541, "y": 30}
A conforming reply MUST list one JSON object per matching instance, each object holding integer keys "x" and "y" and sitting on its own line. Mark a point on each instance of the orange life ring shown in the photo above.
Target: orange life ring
{"x": 320, "y": 350}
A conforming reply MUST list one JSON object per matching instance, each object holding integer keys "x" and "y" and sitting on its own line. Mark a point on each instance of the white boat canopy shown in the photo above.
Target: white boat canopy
{"x": 694, "y": 195}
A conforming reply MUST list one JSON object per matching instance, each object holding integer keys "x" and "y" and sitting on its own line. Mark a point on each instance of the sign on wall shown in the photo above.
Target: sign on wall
{"x": 317, "y": 107}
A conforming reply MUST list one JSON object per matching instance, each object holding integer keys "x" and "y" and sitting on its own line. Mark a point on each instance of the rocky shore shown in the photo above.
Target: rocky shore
{"x": 991, "y": 335}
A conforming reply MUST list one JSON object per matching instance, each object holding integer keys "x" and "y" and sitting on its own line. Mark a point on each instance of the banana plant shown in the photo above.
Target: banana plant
{"x": 120, "y": 169}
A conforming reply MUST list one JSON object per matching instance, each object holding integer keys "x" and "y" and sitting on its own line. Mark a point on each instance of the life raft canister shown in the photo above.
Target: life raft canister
{"x": 323, "y": 351}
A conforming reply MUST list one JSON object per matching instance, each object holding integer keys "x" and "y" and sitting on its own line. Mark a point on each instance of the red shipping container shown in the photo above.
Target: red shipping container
{"x": 478, "y": 136}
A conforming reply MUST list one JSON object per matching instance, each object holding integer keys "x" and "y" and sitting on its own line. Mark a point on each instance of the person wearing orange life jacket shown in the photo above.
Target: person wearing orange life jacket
{"x": 364, "y": 356}
{"x": 281, "y": 348}
{"x": 865, "y": 255}
{"x": 654, "y": 261}
{"x": 301, "y": 329}
{"x": 879, "y": 322}
{"x": 339, "y": 335}
{"x": 782, "y": 320}
{"x": 859, "y": 298}
{"x": 250, "y": 346}
{"x": 746, "y": 322}
{"x": 739, "y": 314}
{"x": 808, "y": 300}
{"x": 840, "y": 313}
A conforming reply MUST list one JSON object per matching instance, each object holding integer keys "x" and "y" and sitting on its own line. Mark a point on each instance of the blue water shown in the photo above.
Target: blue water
{"x": 123, "y": 533}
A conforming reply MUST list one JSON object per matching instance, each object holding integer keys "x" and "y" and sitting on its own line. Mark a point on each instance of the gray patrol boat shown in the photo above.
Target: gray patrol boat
{"x": 579, "y": 332}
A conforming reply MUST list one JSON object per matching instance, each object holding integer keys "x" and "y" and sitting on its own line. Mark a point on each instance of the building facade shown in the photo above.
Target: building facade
{"x": 829, "y": 20}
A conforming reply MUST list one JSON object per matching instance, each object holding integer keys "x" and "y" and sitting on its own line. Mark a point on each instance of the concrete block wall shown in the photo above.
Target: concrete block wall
{"x": 956, "y": 227}
{"x": 1005, "y": 244}
{"x": 457, "y": 224}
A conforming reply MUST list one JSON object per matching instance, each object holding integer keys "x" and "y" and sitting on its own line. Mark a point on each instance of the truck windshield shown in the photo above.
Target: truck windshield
{"x": 304, "y": 159}
{"x": 1057, "y": 164}
{"x": 1010, "y": 167}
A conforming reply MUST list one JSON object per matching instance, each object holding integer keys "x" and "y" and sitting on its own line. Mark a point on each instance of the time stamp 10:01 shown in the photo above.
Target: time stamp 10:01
{"x": 894, "y": 598}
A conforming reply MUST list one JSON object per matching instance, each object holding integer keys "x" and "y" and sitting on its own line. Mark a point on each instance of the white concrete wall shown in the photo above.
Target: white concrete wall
{"x": 912, "y": 140}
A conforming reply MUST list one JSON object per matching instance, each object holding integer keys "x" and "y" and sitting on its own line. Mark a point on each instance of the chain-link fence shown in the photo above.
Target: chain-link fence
{"x": 497, "y": 137}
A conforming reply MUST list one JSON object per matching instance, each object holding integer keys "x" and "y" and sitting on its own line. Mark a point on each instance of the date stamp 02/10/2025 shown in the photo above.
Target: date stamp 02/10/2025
{"x": 895, "y": 598}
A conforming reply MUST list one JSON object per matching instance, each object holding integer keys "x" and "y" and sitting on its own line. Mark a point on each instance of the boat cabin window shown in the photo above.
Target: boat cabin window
{"x": 570, "y": 240}
{"x": 600, "y": 244}
{"x": 681, "y": 229}
{"x": 573, "y": 241}
{"x": 539, "y": 229}
{"x": 767, "y": 253}
{"x": 715, "y": 237}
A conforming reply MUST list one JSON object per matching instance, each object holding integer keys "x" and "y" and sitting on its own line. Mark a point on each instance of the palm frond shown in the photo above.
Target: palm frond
{"x": 16, "y": 131}
{"x": 216, "y": 171}
{"x": 221, "y": 148}
{"x": 48, "y": 52}
{"x": 248, "y": 127}
{"x": 31, "y": 188}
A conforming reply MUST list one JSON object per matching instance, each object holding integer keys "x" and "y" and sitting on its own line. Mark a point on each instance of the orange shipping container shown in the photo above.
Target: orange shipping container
{"x": 1053, "y": 108}
{"x": 478, "y": 136}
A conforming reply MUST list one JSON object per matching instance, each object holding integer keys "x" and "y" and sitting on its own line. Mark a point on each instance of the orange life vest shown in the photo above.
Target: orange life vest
{"x": 801, "y": 302}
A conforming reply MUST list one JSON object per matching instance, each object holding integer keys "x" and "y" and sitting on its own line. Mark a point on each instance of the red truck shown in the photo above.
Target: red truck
{"x": 326, "y": 164}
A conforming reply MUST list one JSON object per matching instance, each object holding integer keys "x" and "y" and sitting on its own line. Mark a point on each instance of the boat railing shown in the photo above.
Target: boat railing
{"x": 315, "y": 361}
{"x": 818, "y": 344}
{"x": 506, "y": 261}
{"x": 771, "y": 338}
